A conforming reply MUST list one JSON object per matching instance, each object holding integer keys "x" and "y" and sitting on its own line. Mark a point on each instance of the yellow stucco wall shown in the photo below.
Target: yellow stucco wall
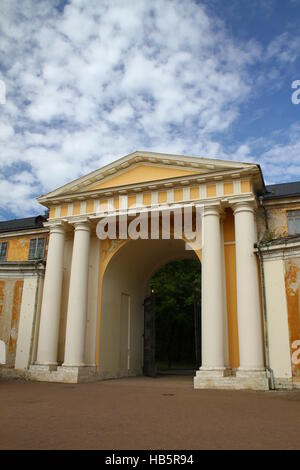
{"x": 139, "y": 174}
{"x": 245, "y": 186}
{"x": 211, "y": 190}
{"x": 228, "y": 188}
{"x": 52, "y": 212}
{"x": 76, "y": 208}
{"x": 90, "y": 206}
{"x": 194, "y": 192}
{"x": 64, "y": 210}
{"x": 231, "y": 290}
{"x": 178, "y": 195}
{"x": 162, "y": 197}
{"x": 147, "y": 199}
{"x": 18, "y": 247}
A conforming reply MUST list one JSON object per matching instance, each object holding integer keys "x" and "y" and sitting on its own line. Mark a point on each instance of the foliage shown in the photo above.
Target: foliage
{"x": 175, "y": 286}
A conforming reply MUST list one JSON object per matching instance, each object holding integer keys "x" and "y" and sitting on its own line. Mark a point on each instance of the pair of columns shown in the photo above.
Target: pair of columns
{"x": 77, "y": 303}
{"x": 248, "y": 298}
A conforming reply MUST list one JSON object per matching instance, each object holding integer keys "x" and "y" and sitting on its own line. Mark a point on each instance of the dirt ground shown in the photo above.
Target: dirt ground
{"x": 145, "y": 413}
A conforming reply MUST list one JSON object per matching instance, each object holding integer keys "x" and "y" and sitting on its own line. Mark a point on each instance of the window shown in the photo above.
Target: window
{"x": 37, "y": 248}
{"x": 294, "y": 222}
{"x": 3, "y": 251}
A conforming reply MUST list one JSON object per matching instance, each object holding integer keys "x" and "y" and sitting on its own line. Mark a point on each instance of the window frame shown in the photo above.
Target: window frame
{"x": 35, "y": 251}
{"x": 3, "y": 258}
{"x": 293, "y": 217}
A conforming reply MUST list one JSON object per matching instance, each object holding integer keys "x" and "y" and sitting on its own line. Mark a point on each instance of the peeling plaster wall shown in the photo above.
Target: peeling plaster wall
{"x": 282, "y": 278}
{"x": 10, "y": 303}
{"x": 277, "y": 318}
{"x": 29, "y": 321}
{"x": 277, "y": 220}
{"x": 292, "y": 282}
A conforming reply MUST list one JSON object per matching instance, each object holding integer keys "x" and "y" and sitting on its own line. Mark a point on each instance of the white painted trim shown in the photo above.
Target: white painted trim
{"x": 170, "y": 195}
{"x": 186, "y": 194}
{"x": 237, "y": 189}
{"x": 70, "y": 209}
{"x": 97, "y": 205}
{"x": 139, "y": 200}
{"x": 123, "y": 202}
{"x": 202, "y": 191}
{"x": 57, "y": 211}
{"x": 220, "y": 188}
{"x": 110, "y": 204}
{"x": 83, "y": 207}
{"x": 154, "y": 197}
{"x": 20, "y": 233}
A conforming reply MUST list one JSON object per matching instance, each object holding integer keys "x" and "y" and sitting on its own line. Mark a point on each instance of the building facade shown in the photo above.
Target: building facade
{"x": 71, "y": 302}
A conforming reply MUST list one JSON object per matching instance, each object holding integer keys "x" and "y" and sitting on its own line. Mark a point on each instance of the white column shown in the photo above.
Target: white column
{"x": 50, "y": 311}
{"x": 248, "y": 299}
{"x": 225, "y": 323}
{"x": 212, "y": 292}
{"x": 78, "y": 290}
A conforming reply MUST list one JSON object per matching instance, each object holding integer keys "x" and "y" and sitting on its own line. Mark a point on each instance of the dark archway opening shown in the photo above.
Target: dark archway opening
{"x": 174, "y": 308}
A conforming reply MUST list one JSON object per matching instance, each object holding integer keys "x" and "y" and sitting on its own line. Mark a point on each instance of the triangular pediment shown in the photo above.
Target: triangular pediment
{"x": 141, "y": 173}
{"x": 143, "y": 168}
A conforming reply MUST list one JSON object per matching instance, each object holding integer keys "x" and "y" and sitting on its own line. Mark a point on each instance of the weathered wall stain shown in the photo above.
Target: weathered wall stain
{"x": 10, "y": 304}
{"x": 1, "y": 296}
{"x": 292, "y": 283}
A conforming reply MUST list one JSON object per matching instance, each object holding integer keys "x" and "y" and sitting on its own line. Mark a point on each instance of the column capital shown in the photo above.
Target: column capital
{"x": 212, "y": 209}
{"x": 56, "y": 226}
{"x": 243, "y": 206}
{"x": 82, "y": 224}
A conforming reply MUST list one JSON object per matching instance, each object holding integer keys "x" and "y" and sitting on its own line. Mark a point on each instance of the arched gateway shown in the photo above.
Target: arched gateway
{"x": 92, "y": 319}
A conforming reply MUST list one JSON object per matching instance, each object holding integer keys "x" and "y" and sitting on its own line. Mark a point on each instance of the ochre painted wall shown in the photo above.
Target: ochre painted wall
{"x": 292, "y": 284}
{"x": 18, "y": 247}
{"x": 140, "y": 174}
{"x": 231, "y": 292}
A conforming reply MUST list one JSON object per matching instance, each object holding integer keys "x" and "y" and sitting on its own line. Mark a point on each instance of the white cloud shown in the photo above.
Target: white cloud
{"x": 101, "y": 79}
{"x": 284, "y": 48}
{"x": 279, "y": 154}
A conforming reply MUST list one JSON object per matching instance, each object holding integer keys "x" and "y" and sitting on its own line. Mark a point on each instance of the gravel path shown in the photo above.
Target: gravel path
{"x": 145, "y": 413}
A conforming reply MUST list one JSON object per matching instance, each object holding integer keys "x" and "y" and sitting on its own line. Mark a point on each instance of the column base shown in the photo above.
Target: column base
{"x": 230, "y": 379}
{"x": 63, "y": 374}
{"x": 252, "y": 379}
{"x": 47, "y": 365}
{"x": 208, "y": 377}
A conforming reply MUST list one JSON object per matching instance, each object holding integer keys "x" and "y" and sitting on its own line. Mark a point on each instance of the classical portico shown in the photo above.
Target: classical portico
{"x": 86, "y": 278}
{"x": 215, "y": 368}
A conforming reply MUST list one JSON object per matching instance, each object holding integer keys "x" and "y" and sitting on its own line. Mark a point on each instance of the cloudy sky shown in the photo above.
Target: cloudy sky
{"x": 90, "y": 81}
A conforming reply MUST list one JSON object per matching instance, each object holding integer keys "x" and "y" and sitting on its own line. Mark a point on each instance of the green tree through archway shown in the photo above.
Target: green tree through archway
{"x": 177, "y": 287}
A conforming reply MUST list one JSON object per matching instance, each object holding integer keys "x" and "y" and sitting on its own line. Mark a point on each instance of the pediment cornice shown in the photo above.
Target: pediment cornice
{"x": 195, "y": 170}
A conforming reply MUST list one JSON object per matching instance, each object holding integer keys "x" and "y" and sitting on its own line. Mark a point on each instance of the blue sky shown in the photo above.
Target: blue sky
{"x": 89, "y": 82}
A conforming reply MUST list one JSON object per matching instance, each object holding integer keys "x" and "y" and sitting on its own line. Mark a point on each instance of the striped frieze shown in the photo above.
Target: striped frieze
{"x": 202, "y": 191}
